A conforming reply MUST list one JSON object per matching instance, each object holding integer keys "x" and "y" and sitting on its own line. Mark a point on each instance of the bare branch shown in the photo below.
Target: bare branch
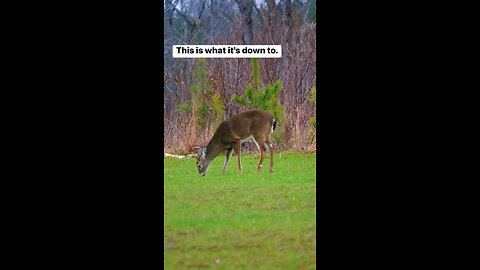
{"x": 181, "y": 14}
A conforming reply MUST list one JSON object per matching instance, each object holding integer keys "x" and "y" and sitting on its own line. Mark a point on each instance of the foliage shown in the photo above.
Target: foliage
{"x": 313, "y": 99}
{"x": 288, "y": 23}
{"x": 206, "y": 105}
{"x": 313, "y": 121}
{"x": 265, "y": 98}
{"x": 185, "y": 107}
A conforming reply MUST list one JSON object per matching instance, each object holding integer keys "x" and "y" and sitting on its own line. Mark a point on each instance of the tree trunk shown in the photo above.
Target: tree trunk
{"x": 246, "y": 9}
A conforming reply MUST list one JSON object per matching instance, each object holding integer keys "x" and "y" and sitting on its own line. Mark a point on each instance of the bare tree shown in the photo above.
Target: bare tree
{"x": 246, "y": 9}
{"x": 283, "y": 22}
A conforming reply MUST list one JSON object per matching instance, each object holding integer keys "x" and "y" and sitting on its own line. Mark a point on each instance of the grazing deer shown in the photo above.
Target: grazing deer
{"x": 255, "y": 124}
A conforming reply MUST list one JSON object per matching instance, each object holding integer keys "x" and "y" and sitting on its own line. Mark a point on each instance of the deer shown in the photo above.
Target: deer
{"x": 256, "y": 125}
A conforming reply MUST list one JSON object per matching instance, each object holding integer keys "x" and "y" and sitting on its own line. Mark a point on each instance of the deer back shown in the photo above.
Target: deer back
{"x": 251, "y": 123}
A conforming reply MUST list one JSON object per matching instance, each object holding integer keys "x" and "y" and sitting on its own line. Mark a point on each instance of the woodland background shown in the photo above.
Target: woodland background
{"x": 200, "y": 93}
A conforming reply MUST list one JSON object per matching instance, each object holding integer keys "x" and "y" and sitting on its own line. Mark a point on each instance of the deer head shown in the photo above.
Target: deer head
{"x": 202, "y": 162}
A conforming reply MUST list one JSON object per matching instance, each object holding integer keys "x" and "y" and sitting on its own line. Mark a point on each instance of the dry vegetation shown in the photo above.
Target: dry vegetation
{"x": 285, "y": 23}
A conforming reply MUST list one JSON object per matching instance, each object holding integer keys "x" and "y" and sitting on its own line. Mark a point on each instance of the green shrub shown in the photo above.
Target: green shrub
{"x": 265, "y": 98}
{"x": 206, "y": 105}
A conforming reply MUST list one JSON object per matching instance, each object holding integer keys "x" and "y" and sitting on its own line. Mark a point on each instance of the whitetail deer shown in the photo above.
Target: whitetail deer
{"x": 255, "y": 124}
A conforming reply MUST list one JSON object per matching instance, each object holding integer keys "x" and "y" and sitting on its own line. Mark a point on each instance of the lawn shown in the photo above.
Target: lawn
{"x": 248, "y": 221}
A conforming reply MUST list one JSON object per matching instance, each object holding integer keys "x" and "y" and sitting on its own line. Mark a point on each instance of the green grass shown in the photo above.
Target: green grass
{"x": 248, "y": 221}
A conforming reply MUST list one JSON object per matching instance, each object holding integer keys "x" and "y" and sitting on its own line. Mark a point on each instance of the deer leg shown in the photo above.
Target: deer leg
{"x": 227, "y": 157}
{"x": 263, "y": 149}
{"x": 258, "y": 146}
{"x": 272, "y": 151}
{"x": 236, "y": 149}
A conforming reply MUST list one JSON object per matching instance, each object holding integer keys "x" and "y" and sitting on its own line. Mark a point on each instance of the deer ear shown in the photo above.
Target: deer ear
{"x": 203, "y": 151}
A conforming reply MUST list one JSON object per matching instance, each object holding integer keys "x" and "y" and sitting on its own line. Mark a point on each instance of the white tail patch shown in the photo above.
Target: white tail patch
{"x": 273, "y": 123}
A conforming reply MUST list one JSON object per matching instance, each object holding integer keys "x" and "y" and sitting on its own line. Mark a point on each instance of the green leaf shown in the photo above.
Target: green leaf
{"x": 194, "y": 91}
{"x": 257, "y": 97}
{"x": 277, "y": 87}
{"x": 217, "y": 105}
{"x": 240, "y": 100}
{"x": 313, "y": 121}
{"x": 249, "y": 91}
{"x": 314, "y": 95}
{"x": 185, "y": 107}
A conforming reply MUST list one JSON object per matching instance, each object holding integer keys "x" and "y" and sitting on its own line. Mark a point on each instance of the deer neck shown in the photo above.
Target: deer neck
{"x": 213, "y": 149}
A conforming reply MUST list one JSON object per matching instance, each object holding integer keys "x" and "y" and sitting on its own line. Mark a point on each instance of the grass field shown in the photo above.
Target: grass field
{"x": 248, "y": 221}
